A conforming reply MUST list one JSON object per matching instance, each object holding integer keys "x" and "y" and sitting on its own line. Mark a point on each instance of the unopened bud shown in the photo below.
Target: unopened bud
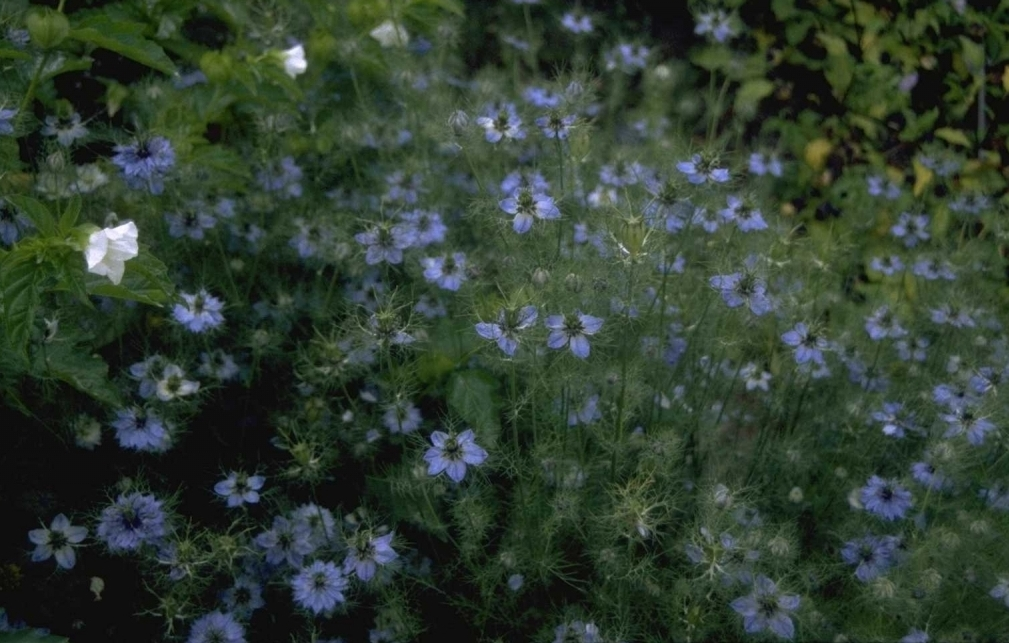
{"x": 47, "y": 28}
{"x": 795, "y": 495}
{"x": 573, "y": 282}
{"x": 216, "y": 66}
{"x": 883, "y": 588}
{"x": 541, "y": 276}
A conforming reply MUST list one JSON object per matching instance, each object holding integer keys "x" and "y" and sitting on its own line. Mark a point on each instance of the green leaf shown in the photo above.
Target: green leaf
{"x": 39, "y": 214}
{"x": 72, "y": 364}
{"x": 750, "y": 94}
{"x": 145, "y": 280}
{"x": 19, "y": 279}
{"x": 917, "y": 125}
{"x": 472, "y": 395}
{"x": 124, "y": 38}
{"x": 955, "y": 136}
{"x": 70, "y": 215}
{"x": 711, "y": 57}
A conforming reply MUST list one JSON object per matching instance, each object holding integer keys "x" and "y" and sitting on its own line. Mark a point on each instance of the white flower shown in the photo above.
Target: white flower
{"x": 59, "y": 541}
{"x": 108, "y": 250}
{"x": 294, "y": 61}
{"x": 390, "y": 34}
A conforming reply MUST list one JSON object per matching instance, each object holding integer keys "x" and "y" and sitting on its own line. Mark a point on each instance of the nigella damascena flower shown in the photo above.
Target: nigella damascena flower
{"x": 286, "y": 541}
{"x": 700, "y": 169}
{"x": 451, "y": 454}
{"x": 871, "y": 555}
{"x": 365, "y": 552}
{"x": 386, "y": 243}
{"x": 743, "y": 288}
{"x": 145, "y": 162}
{"x": 572, "y": 330}
{"x": 761, "y": 165}
{"x": 173, "y": 384}
{"x": 576, "y": 23}
{"x": 966, "y": 420}
{"x": 133, "y": 520}
{"x": 65, "y": 129}
{"x": 402, "y": 417}
{"x": 199, "y": 312}
{"x": 527, "y": 205}
{"x": 885, "y": 498}
{"x": 216, "y": 627}
{"x": 911, "y": 228}
{"x": 240, "y": 488}
{"x": 57, "y": 541}
{"x": 319, "y": 587}
{"x": 505, "y": 330}
{"x": 808, "y": 345}
{"x": 142, "y": 430}
{"x": 717, "y": 23}
{"x": 767, "y": 609}
{"x": 883, "y": 324}
{"x": 741, "y": 212}
{"x": 501, "y": 121}
{"x": 555, "y": 125}
{"x": 244, "y": 597}
{"x": 895, "y": 422}
{"x": 447, "y": 271}
{"x": 426, "y": 226}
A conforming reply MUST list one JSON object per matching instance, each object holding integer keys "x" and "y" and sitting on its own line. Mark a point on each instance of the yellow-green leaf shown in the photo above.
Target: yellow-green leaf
{"x": 955, "y": 136}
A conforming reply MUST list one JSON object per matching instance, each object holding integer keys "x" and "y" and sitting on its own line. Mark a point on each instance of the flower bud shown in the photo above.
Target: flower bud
{"x": 540, "y": 277}
{"x": 883, "y": 588}
{"x": 47, "y": 28}
{"x": 795, "y": 495}
{"x": 573, "y": 282}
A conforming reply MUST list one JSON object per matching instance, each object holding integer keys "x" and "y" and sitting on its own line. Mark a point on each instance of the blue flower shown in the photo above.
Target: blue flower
{"x": 448, "y": 272}
{"x": 572, "y": 330}
{"x": 926, "y": 475}
{"x": 287, "y": 541}
{"x": 743, "y": 288}
{"x": 145, "y": 162}
{"x": 366, "y": 551}
{"x": 767, "y": 609}
{"x": 386, "y": 243}
{"x": 964, "y": 419}
{"x": 527, "y": 205}
{"x": 12, "y": 223}
{"x": 319, "y": 587}
{"x": 700, "y": 169}
{"x": 889, "y": 266}
{"x": 893, "y": 420}
{"x": 216, "y": 627}
{"x": 761, "y": 165}
{"x": 717, "y": 23}
{"x": 885, "y": 498}
{"x": 133, "y": 520}
{"x": 142, "y": 430}
{"x": 427, "y": 227}
{"x": 915, "y": 636}
{"x": 808, "y": 345}
{"x": 402, "y": 417}
{"x": 505, "y": 330}
{"x": 452, "y": 453}
{"x": 501, "y": 121}
{"x": 6, "y": 118}
{"x": 57, "y": 541}
{"x": 244, "y": 597}
{"x": 1001, "y": 591}
{"x": 576, "y": 23}
{"x": 911, "y": 228}
{"x": 871, "y": 555}
{"x": 555, "y": 125}
{"x": 193, "y": 223}
{"x": 743, "y": 214}
{"x": 240, "y": 488}
{"x": 201, "y": 311}
{"x": 284, "y": 179}
{"x": 882, "y": 324}
{"x": 627, "y": 58}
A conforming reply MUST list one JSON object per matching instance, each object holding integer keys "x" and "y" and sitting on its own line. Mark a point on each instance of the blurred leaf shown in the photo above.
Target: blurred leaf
{"x": 955, "y": 136}
{"x": 452, "y": 6}
{"x": 922, "y": 177}
{"x": 124, "y": 38}
{"x": 72, "y": 364}
{"x": 1005, "y": 79}
{"x": 711, "y": 58}
{"x": 795, "y": 31}
{"x": 19, "y": 283}
{"x": 70, "y": 215}
{"x": 472, "y": 395}
{"x": 750, "y": 94}
{"x": 835, "y": 45}
{"x": 816, "y": 153}
{"x": 917, "y": 125}
{"x": 39, "y": 214}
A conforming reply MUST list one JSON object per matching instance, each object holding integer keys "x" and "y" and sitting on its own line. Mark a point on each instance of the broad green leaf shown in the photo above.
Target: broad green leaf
{"x": 955, "y": 136}
{"x": 472, "y": 395}
{"x": 145, "y": 280}
{"x": 918, "y": 125}
{"x": 70, "y": 214}
{"x": 124, "y": 38}
{"x": 72, "y": 364}
{"x": 750, "y": 94}
{"x": 39, "y": 214}
{"x": 711, "y": 58}
{"x": 19, "y": 279}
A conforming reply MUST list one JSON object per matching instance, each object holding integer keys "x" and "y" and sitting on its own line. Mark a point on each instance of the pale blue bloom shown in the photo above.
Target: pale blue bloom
{"x": 57, "y": 541}
{"x": 452, "y": 453}
{"x": 572, "y": 330}
{"x": 319, "y": 587}
{"x": 505, "y": 330}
